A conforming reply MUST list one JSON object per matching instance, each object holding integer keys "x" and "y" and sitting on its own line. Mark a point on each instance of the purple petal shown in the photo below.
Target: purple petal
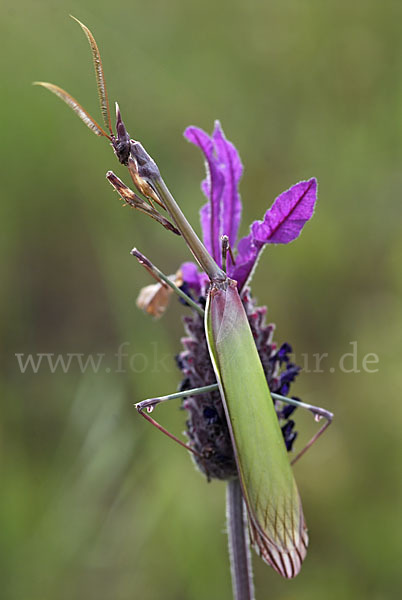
{"x": 232, "y": 170}
{"x": 196, "y": 280}
{"x": 285, "y": 219}
{"x": 247, "y": 254}
{"x": 212, "y": 187}
{"x": 282, "y": 223}
{"x": 191, "y": 275}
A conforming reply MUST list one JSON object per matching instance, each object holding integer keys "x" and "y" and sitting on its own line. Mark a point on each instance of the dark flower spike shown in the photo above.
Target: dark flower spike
{"x": 282, "y": 223}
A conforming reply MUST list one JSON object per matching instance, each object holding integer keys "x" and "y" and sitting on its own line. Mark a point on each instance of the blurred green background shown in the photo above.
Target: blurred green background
{"x": 94, "y": 502}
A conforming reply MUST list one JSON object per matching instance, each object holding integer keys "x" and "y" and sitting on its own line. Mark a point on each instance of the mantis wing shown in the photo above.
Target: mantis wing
{"x": 277, "y": 528}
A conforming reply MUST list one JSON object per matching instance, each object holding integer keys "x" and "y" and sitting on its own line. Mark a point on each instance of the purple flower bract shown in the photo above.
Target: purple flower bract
{"x": 221, "y": 215}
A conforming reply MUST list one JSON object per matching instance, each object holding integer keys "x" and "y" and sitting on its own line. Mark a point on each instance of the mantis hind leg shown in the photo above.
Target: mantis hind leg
{"x": 147, "y": 406}
{"x": 319, "y": 413}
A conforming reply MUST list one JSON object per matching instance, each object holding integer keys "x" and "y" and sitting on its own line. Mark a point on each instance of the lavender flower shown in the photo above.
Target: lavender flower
{"x": 221, "y": 215}
{"x": 206, "y": 425}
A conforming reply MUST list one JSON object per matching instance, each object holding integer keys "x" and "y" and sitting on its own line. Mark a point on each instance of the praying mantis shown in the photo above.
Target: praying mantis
{"x": 275, "y": 516}
{"x": 276, "y": 520}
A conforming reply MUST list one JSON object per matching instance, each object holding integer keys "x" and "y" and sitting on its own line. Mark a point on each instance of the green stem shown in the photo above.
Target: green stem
{"x": 239, "y": 551}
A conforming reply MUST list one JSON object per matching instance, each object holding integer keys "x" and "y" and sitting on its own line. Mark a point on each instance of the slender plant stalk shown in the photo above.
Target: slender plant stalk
{"x": 239, "y": 550}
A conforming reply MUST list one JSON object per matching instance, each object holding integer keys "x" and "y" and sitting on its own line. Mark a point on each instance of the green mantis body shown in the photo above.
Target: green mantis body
{"x": 277, "y": 526}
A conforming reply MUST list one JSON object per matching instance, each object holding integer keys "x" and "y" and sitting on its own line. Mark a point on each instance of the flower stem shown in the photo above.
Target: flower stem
{"x": 239, "y": 551}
